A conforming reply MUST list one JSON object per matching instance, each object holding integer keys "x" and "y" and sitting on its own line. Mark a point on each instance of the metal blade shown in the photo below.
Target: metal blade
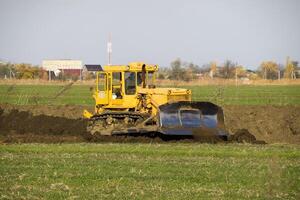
{"x": 192, "y": 118}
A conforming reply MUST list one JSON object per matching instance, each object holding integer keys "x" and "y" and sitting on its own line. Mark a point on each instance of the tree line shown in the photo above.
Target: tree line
{"x": 29, "y": 71}
{"x": 179, "y": 70}
{"x": 187, "y": 71}
{"x": 21, "y": 71}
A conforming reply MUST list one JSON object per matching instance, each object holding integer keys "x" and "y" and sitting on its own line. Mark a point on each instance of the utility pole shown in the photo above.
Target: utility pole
{"x": 236, "y": 78}
{"x": 109, "y": 49}
{"x": 49, "y": 75}
{"x": 265, "y": 73}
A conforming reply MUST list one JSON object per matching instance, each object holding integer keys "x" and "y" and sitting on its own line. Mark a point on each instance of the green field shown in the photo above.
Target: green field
{"x": 149, "y": 171}
{"x": 81, "y": 94}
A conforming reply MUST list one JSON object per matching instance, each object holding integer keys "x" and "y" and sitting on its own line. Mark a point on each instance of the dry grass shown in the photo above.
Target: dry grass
{"x": 218, "y": 81}
{"x": 43, "y": 82}
{"x": 206, "y": 81}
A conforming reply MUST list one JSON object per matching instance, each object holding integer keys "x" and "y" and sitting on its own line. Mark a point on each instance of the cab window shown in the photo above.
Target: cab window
{"x": 130, "y": 83}
{"x": 139, "y": 79}
{"x": 150, "y": 78}
{"x": 116, "y": 85}
{"x": 116, "y": 78}
{"x": 101, "y": 82}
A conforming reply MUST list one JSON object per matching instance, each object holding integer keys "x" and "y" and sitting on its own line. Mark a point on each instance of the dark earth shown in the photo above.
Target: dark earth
{"x": 55, "y": 124}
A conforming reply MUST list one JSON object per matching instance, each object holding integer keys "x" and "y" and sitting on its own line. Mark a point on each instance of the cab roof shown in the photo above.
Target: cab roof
{"x": 133, "y": 66}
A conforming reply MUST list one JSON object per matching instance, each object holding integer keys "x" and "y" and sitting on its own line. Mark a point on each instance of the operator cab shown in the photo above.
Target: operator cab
{"x": 121, "y": 82}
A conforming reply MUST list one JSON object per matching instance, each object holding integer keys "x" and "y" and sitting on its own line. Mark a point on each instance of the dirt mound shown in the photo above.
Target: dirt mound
{"x": 66, "y": 111}
{"x": 42, "y": 123}
{"x": 62, "y": 124}
{"x": 273, "y": 124}
{"x": 26, "y": 126}
{"x": 25, "y": 122}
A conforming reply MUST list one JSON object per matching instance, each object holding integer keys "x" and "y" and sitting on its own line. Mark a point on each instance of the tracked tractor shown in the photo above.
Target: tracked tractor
{"x": 127, "y": 102}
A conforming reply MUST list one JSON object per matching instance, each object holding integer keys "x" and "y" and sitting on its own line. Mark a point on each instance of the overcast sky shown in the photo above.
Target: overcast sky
{"x": 154, "y": 31}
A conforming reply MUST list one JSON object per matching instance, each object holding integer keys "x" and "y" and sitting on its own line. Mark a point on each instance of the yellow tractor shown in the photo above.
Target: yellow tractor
{"x": 127, "y": 102}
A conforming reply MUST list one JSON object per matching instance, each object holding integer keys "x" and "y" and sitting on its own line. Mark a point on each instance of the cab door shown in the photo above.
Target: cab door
{"x": 102, "y": 91}
{"x": 117, "y": 93}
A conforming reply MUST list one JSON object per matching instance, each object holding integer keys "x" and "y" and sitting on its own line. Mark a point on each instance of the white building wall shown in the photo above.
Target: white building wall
{"x": 52, "y": 65}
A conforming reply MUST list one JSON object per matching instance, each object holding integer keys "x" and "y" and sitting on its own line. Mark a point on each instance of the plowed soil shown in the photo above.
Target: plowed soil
{"x": 272, "y": 124}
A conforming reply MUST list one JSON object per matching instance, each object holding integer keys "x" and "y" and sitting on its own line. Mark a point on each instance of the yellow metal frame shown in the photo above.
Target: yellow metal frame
{"x": 154, "y": 96}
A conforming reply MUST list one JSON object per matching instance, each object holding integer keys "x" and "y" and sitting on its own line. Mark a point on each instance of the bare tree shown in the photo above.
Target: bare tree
{"x": 228, "y": 69}
{"x": 290, "y": 69}
{"x": 269, "y": 69}
{"x": 213, "y": 69}
{"x": 176, "y": 70}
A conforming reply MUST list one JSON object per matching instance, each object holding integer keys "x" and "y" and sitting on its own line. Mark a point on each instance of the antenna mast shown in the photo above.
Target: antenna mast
{"x": 109, "y": 49}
